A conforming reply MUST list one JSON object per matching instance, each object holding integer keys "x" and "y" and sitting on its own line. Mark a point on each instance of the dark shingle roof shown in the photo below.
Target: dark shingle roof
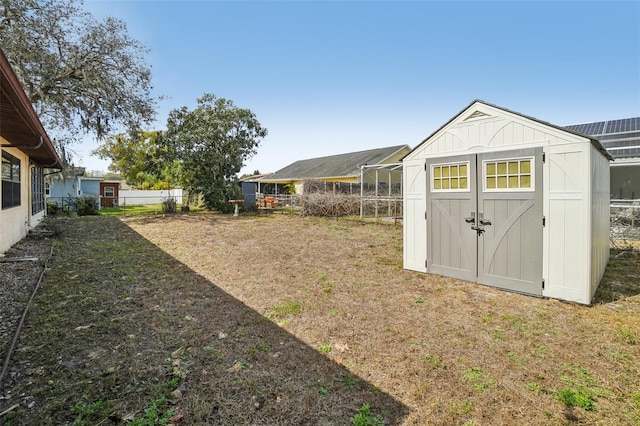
{"x": 334, "y": 165}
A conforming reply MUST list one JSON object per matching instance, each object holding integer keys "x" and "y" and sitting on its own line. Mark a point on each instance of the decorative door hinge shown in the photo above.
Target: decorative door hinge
{"x": 544, "y": 221}
{"x": 543, "y": 284}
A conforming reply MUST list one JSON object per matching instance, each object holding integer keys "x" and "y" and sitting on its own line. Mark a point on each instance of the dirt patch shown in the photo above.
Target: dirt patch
{"x": 209, "y": 319}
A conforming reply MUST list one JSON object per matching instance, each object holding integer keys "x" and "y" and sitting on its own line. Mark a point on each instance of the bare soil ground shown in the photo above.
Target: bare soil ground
{"x": 208, "y": 319}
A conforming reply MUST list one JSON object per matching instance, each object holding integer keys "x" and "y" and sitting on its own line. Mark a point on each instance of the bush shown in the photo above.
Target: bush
{"x": 53, "y": 208}
{"x": 329, "y": 204}
{"x": 87, "y": 206}
{"x": 169, "y": 205}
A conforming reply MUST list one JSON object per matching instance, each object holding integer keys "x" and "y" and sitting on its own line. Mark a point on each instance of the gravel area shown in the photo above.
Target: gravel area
{"x": 18, "y": 279}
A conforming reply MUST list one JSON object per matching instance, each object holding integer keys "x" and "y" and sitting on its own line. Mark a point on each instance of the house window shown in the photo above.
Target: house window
{"x": 450, "y": 177}
{"x": 10, "y": 181}
{"x": 109, "y": 191}
{"x": 509, "y": 175}
{"x": 37, "y": 190}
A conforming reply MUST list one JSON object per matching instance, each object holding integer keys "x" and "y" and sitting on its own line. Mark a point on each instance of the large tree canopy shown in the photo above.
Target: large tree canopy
{"x": 140, "y": 160}
{"x": 212, "y": 142}
{"x": 82, "y": 75}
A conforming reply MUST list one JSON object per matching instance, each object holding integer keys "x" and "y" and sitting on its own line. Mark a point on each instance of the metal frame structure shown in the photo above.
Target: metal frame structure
{"x": 392, "y": 200}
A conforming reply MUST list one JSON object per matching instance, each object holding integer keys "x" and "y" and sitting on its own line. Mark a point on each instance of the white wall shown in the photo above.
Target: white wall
{"x": 137, "y": 197}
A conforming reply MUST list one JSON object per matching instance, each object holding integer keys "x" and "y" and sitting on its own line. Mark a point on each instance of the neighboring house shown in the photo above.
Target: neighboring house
{"x": 64, "y": 190}
{"x": 109, "y": 192}
{"x": 622, "y": 140}
{"x": 344, "y": 168}
{"x": 509, "y": 201}
{"x": 26, "y": 152}
{"x": 250, "y": 189}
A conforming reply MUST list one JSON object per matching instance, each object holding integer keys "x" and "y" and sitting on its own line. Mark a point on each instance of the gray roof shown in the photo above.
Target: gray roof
{"x": 341, "y": 165}
{"x": 620, "y": 137}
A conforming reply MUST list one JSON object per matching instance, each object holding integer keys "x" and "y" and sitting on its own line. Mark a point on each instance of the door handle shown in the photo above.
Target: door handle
{"x": 482, "y": 220}
{"x": 471, "y": 219}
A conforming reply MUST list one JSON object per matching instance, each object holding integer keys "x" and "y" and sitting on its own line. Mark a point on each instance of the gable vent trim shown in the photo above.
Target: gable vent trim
{"x": 477, "y": 114}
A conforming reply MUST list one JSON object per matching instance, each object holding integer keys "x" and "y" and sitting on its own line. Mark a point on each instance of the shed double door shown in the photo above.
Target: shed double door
{"x": 484, "y": 218}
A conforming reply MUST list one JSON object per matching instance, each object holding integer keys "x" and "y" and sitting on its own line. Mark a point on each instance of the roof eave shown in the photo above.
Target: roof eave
{"x": 40, "y": 148}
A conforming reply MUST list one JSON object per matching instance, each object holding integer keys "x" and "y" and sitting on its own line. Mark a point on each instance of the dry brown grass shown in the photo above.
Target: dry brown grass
{"x": 383, "y": 321}
{"x": 298, "y": 320}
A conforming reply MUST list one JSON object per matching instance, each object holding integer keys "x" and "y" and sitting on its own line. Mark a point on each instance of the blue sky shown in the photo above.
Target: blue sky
{"x": 329, "y": 77}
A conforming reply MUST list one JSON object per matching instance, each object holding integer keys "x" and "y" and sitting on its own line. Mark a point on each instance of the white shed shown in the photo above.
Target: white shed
{"x": 508, "y": 201}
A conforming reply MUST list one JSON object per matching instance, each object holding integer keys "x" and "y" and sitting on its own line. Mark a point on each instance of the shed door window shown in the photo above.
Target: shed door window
{"x": 10, "y": 181}
{"x": 108, "y": 191}
{"x": 509, "y": 175}
{"x": 450, "y": 177}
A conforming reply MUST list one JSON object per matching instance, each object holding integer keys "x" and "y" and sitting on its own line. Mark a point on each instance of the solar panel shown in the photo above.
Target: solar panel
{"x": 607, "y": 127}
{"x": 588, "y": 129}
{"x": 620, "y": 136}
{"x": 622, "y": 153}
{"x": 623, "y": 125}
{"x": 619, "y": 143}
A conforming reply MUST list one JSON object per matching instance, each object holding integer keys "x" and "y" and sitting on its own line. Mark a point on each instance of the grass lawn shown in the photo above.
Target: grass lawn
{"x": 131, "y": 210}
{"x": 209, "y": 319}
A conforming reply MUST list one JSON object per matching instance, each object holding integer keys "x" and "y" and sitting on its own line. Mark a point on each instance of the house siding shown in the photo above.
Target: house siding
{"x": 16, "y": 220}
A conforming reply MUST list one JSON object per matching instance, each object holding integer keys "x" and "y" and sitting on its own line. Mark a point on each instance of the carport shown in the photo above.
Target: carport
{"x": 509, "y": 201}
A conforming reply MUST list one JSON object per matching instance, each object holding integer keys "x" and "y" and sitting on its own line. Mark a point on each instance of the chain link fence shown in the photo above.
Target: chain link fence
{"x": 625, "y": 224}
{"x": 624, "y": 230}
{"x": 94, "y": 204}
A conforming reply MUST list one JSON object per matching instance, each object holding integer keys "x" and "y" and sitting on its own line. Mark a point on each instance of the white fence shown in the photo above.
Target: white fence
{"x": 136, "y": 197}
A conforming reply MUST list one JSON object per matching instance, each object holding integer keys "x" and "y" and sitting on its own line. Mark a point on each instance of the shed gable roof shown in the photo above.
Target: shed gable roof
{"x": 341, "y": 165}
{"x": 481, "y": 110}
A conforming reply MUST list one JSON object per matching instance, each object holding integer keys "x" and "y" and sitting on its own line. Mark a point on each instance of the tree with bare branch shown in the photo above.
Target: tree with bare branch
{"x": 83, "y": 76}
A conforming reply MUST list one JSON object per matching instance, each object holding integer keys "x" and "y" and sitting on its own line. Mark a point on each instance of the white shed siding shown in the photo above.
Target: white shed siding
{"x": 415, "y": 252}
{"x": 491, "y": 134}
{"x": 567, "y": 240}
{"x": 575, "y": 247}
{"x": 600, "y": 176}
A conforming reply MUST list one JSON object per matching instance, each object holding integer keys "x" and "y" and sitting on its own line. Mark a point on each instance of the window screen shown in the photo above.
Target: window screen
{"x": 10, "y": 181}
{"x": 37, "y": 190}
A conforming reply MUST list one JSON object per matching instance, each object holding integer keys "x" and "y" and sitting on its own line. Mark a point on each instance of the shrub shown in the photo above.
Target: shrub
{"x": 169, "y": 205}
{"x": 87, "y": 206}
{"x": 53, "y": 208}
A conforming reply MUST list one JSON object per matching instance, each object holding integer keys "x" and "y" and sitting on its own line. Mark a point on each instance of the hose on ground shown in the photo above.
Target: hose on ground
{"x": 7, "y": 357}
